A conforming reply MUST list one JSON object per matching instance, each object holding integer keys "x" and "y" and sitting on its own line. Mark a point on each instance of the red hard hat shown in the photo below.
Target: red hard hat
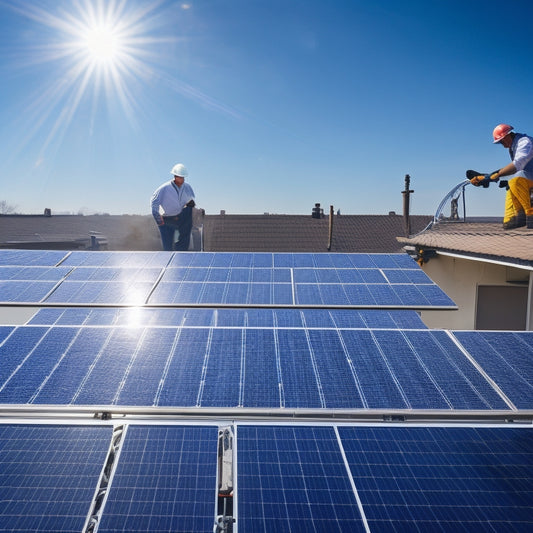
{"x": 500, "y": 131}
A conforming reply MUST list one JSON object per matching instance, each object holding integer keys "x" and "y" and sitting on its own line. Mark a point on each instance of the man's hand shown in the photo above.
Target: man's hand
{"x": 480, "y": 180}
{"x": 190, "y": 204}
{"x": 484, "y": 179}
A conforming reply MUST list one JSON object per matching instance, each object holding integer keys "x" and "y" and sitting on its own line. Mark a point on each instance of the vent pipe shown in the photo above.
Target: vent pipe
{"x": 406, "y": 215}
{"x": 330, "y": 237}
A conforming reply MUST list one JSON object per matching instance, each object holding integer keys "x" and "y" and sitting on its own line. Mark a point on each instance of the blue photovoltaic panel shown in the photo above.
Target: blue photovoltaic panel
{"x": 294, "y": 367}
{"x": 507, "y": 357}
{"x": 118, "y": 259}
{"x": 101, "y": 292}
{"x": 261, "y": 317}
{"x": 222, "y": 293}
{"x": 414, "y": 275}
{"x": 48, "y": 476}
{"x": 5, "y": 331}
{"x": 25, "y": 291}
{"x": 165, "y": 481}
{"x": 131, "y": 275}
{"x": 31, "y": 257}
{"x": 33, "y": 273}
{"x": 427, "y": 370}
{"x": 442, "y": 478}
{"x": 293, "y": 479}
{"x": 199, "y": 278}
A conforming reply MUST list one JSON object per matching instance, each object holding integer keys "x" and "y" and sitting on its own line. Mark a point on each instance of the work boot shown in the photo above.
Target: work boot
{"x": 519, "y": 221}
{"x": 529, "y": 222}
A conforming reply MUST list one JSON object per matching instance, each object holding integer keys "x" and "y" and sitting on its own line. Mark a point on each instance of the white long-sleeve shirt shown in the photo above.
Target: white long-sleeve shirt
{"x": 522, "y": 154}
{"x": 169, "y": 199}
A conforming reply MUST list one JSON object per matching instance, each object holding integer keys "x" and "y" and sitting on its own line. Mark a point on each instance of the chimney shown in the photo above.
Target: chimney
{"x": 317, "y": 212}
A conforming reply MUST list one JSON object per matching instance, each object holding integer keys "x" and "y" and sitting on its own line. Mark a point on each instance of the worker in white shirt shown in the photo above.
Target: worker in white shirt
{"x": 172, "y": 204}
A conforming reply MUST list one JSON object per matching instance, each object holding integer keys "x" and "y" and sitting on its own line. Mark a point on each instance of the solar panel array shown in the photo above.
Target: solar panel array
{"x": 264, "y": 367}
{"x": 347, "y": 413}
{"x": 340, "y": 478}
{"x": 196, "y": 278}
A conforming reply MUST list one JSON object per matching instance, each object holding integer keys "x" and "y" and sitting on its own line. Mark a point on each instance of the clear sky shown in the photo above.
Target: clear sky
{"x": 273, "y": 105}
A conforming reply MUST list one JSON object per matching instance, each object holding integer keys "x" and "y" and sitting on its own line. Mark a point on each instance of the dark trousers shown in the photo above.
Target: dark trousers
{"x": 182, "y": 225}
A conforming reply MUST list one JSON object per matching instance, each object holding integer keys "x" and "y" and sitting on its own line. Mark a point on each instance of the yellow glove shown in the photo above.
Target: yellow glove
{"x": 476, "y": 180}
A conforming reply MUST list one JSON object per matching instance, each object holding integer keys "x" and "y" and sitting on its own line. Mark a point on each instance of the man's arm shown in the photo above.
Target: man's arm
{"x": 155, "y": 202}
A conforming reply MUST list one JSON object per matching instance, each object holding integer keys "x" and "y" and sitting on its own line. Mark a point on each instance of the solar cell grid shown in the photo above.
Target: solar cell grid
{"x": 131, "y": 292}
{"x": 33, "y": 273}
{"x": 121, "y": 278}
{"x": 284, "y": 318}
{"x": 265, "y": 366}
{"x": 5, "y": 331}
{"x": 293, "y": 479}
{"x": 128, "y": 274}
{"x": 48, "y": 475}
{"x": 118, "y": 259}
{"x": 507, "y": 358}
{"x": 25, "y": 291}
{"x": 32, "y": 257}
{"x": 165, "y": 481}
{"x": 442, "y": 479}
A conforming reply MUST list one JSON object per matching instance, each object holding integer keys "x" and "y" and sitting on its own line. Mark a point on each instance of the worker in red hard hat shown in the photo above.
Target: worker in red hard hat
{"x": 518, "y": 209}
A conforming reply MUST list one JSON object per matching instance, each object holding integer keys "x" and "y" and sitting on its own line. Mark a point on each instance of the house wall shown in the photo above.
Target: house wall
{"x": 459, "y": 279}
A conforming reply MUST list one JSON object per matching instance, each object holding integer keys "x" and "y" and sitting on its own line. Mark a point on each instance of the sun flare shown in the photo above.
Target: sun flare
{"x": 103, "y": 44}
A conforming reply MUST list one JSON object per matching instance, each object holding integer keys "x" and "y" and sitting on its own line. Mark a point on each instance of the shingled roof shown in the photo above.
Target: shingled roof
{"x": 486, "y": 240}
{"x": 300, "y": 233}
{"x": 232, "y": 233}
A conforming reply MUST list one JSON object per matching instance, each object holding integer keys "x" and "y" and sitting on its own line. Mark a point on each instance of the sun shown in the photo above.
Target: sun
{"x": 103, "y": 44}
{"x": 100, "y": 52}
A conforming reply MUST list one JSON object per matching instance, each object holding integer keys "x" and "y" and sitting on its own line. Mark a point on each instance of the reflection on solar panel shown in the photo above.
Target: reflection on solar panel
{"x": 293, "y": 479}
{"x": 48, "y": 475}
{"x": 442, "y": 479}
{"x": 165, "y": 481}
{"x": 240, "y": 279}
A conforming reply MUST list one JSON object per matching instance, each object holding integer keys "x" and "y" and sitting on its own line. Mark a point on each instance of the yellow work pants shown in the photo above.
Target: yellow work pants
{"x": 517, "y": 199}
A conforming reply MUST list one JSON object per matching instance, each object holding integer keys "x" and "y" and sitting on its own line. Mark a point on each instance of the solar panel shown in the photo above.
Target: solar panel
{"x": 197, "y": 278}
{"x": 227, "y": 317}
{"x": 118, "y": 259}
{"x": 48, "y": 475}
{"x": 100, "y": 292}
{"x": 442, "y": 478}
{"x": 165, "y": 481}
{"x": 507, "y": 358}
{"x": 33, "y": 273}
{"x": 293, "y": 479}
{"x": 25, "y": 291}
{"x": 279, "y": 335}
{"x": 32, "y": 257}
{"x": 243, "y": 366}
{"x": 5, "y": 331}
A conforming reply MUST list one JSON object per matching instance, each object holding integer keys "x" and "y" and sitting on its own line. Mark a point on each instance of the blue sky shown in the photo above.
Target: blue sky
{"x": 272, "y": 105}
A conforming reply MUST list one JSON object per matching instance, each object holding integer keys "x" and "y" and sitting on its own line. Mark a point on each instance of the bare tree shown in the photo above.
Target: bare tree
{"x": 6, "y": 209}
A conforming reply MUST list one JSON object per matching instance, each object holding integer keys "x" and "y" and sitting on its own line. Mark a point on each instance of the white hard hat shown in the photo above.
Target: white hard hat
{"x": 179, "y": 170}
